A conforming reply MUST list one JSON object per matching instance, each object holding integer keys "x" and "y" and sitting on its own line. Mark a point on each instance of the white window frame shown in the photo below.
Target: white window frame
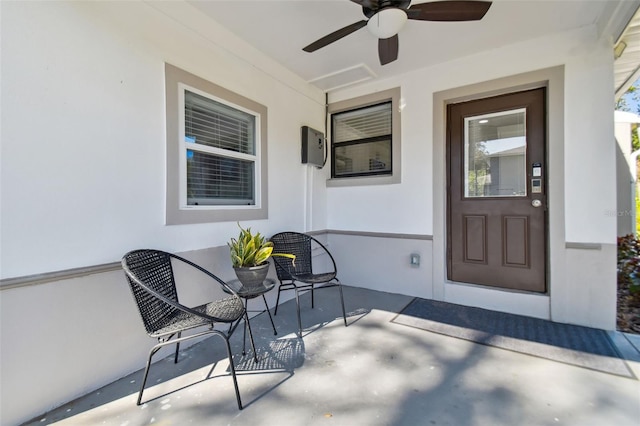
{"x": 395, "y": 177}
{"x": 177, "y": 209}
{"x": 215, "y": 151}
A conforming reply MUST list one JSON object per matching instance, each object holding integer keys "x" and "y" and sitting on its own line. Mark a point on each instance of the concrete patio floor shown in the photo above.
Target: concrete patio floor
{"x": 373, "y": 372}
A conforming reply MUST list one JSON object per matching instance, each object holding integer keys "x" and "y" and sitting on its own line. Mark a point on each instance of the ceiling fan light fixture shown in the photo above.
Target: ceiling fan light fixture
{"x": 387, "y": 22}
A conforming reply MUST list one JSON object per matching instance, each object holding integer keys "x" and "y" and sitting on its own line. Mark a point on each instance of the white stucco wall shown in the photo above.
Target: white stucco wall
{"x": 83, "y": 130}
{"x": 626, "y": 172}
{"x": 589, "y": 96}
{"x": 83, "y": 179}
{"x": 581, "y": 178}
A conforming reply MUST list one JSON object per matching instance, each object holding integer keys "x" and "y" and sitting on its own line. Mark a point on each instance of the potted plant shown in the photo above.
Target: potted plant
{"x": 249, "y": 255}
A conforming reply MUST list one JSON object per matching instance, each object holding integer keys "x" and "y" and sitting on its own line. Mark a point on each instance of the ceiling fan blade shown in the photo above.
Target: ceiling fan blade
{"x": 449, "y": 10}
{"x": 334, "y": 36}
{"x": 388, "y": 49}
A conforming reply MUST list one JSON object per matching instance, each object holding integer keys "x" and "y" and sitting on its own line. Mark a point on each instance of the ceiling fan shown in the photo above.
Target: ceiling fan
{"x": 386, "y": 18}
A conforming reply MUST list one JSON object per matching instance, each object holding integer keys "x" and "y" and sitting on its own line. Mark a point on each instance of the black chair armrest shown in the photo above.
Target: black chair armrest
{"x": 211, "y": 275}
{"x": 327, "y": 252}
{"x": 173, "y": 303}
{"x": 285, "y": 265}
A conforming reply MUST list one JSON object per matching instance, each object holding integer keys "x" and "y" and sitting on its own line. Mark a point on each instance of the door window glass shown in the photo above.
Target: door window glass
{"x": 495, "y": 147}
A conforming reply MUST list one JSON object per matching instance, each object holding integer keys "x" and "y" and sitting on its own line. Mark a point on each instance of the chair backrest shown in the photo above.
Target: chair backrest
{"x": 153, "y": 269}
{"x": 293, "y": 243}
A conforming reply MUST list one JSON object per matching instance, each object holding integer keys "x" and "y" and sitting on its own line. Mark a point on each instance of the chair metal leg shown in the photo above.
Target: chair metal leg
{"x": 312, "y": 294}
{"x": 298, "y": 312}
{"x": 344, "y": 314}
{"x": 275, "y": 333}
{"x": 146, "y": 371}
{"x": 162, "y": 343}
{"x": 233, "y": 370}
{"x": 175, "y": 358}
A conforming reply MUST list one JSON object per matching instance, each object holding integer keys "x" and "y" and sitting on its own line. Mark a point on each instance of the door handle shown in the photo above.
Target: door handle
{"x": 536, "y": 203}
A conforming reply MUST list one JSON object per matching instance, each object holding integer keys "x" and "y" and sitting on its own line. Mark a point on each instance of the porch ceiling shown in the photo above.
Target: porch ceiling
{"x": 627, "y": 65}
{"x": 281, "y": 28}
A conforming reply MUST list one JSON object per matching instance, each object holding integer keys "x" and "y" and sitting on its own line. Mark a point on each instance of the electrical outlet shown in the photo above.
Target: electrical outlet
{"x": 415, "y": 259}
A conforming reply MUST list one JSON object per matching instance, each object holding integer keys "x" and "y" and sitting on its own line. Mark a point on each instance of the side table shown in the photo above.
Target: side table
{"x": 247, "y": 293}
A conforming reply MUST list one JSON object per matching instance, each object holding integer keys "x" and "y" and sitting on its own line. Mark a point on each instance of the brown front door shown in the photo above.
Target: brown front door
{"x": 496, "y": 227}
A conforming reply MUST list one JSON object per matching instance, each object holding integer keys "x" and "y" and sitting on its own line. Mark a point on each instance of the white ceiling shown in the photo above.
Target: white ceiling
{"x": 281, "y": 28}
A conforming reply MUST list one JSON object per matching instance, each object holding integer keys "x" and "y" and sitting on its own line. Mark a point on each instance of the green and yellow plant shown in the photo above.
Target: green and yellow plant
{"x": 252, "y": 250}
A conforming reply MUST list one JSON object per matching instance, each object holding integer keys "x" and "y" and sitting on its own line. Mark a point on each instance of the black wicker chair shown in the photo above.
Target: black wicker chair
{"x": 152, "y": 282}
{"x": 298, "y": 275}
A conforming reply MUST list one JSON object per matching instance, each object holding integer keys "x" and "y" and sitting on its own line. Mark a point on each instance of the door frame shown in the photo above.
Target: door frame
{"x": 536, "y": 305}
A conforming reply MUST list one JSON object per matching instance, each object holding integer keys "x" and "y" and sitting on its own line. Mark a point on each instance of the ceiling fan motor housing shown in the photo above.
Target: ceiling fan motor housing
{"x": 372, "y": 7}
{"x": 387, "y": 22}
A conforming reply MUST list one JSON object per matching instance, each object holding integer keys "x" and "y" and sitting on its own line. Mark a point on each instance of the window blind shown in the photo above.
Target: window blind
{"x": 218, "y": 125}
{"x": 215, "y": 178}
{"x": 362, "y": 123}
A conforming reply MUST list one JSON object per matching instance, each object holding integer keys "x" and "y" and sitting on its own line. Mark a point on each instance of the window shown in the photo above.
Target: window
{"x": 365, "y": 140}
{"x": 216, "y": 152}
{"x": 219, "y": 152}
{"x": 362, "y": 141}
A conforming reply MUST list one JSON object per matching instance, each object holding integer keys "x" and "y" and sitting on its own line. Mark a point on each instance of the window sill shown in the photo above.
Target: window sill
{"x": 363, "y": 181}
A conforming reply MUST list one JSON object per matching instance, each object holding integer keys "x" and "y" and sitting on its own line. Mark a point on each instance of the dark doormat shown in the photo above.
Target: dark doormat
{"x": 582, "y": 346}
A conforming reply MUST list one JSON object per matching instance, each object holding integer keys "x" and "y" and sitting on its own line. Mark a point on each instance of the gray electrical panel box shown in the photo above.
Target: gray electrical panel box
{"x": 312, "y": 147}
